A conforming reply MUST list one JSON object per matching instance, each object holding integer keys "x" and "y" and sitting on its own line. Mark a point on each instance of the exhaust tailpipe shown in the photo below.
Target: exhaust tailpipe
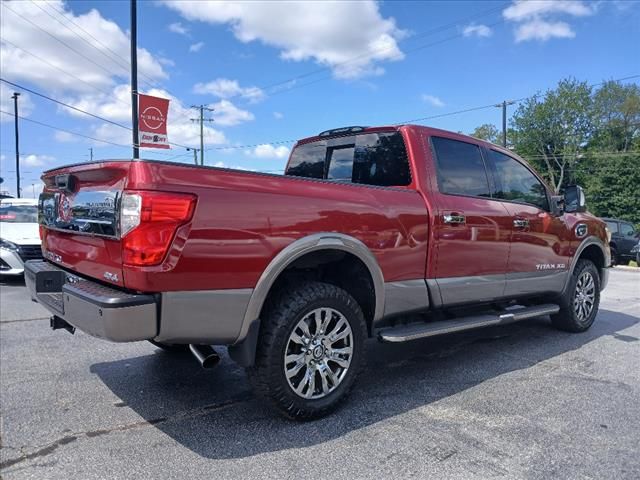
{"x": 205, "y": 354}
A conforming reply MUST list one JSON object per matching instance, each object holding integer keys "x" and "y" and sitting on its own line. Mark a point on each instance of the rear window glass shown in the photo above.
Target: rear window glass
{"x": 18, "y": 213}
{"x": 370, "y": 159}
{"x": 461, "y": 169}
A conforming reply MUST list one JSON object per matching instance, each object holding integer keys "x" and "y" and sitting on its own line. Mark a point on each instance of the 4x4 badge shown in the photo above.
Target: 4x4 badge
{"x": 581, "y": 230}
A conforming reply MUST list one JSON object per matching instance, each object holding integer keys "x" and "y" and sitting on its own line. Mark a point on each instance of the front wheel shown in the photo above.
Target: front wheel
{"x": 579, "y": 305}
{"x": 311, "y": 349}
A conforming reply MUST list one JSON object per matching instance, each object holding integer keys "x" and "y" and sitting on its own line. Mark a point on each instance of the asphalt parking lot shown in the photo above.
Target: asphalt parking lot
{"x": 520, "y": 401}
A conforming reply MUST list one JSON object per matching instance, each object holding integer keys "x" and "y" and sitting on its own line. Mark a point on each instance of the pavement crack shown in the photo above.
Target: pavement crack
{"x": 51, "y": 447}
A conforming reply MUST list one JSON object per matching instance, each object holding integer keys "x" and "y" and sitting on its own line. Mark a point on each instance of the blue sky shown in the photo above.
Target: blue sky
{"x": 333, "y": 64}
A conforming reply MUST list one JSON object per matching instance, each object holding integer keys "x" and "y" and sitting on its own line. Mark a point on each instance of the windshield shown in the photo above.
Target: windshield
{"x": 18, "y": 213}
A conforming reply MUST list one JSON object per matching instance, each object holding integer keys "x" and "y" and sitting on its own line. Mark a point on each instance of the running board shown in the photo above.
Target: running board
{"x": 414, "y": 331}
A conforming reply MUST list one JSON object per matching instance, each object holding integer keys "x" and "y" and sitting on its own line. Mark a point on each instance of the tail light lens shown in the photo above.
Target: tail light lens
{"x": 148, "y": 223}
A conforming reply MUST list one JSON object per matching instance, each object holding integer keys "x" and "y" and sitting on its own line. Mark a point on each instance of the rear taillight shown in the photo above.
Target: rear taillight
{"x": 148, "y": 223}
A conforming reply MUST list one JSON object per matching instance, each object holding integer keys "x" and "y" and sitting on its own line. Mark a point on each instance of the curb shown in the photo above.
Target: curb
{"x": 627, "y": 268}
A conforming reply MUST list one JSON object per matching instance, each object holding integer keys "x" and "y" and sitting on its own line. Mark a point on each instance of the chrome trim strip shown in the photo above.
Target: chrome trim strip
{"x": 405, "y": 296}
{"x": 206, "y": 316}
{"x": 302, "y": 246}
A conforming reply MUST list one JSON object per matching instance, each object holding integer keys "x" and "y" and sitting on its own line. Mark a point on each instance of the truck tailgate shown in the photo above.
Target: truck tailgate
{"x": 79, "y": 208}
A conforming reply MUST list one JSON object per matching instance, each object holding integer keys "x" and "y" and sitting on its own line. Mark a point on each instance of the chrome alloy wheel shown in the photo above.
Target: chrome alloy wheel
{"x": 584, "y": 297}
{"x": 318, "y": 353}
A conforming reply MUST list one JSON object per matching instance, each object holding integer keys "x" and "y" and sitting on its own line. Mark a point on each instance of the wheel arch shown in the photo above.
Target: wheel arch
{"x": 594, "y": 249}
{"x": 244, "y": 350}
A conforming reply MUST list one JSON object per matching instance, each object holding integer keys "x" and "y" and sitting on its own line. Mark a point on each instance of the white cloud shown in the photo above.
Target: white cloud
{"x": 179, "y": 129}
{"x": 543, "y": 30}
{"x": 105, "y": 63}
{"x": 178, "y": 28}
{"x": 64, "y": 137}
{"x": 278, "y": 115}
{"x": 25, "y": 104}
{"x": 432, "y": 100}
{"x": 33, "y": 160}
{"x": 267, "y": 150}
{"x": 196, "y": 47}
{"x": 226, "y": 114}
{"x": 537, "y": 19}
{"x": 477, "y": 30}
{"x": 351, "y": 38}
{"x": 226, "y": 88}
{"x": 236, "y": 167}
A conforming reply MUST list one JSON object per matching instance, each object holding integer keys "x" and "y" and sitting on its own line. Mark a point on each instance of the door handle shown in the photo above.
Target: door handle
{"x": 520, "y": 223}
{"x": 453, "y": 218}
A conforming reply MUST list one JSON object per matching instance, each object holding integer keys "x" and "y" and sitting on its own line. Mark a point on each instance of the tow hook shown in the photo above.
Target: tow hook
{"x": 57, "y": 323}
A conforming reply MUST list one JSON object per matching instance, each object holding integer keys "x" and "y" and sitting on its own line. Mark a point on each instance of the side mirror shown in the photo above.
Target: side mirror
{"x": 574, "y": 199}
{"x": 557, "y": 205}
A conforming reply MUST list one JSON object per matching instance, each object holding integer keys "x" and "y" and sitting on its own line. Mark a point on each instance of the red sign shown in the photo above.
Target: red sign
{"x": 152, "y": 121}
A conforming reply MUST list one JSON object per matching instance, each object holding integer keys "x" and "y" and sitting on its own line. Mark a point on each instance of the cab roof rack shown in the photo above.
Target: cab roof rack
{"x": 338, "y": 131}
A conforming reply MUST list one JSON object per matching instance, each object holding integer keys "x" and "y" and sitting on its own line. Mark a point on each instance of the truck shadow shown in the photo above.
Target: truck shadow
{"x": 214, "y": 414}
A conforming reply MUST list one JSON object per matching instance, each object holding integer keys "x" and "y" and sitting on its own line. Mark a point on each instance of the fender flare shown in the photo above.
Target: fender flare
{"x": 243, "y": 350}
{"x": 587, "y": 242}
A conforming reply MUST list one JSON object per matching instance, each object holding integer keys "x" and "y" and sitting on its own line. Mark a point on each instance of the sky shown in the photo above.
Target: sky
{"x": 274, "y": 72}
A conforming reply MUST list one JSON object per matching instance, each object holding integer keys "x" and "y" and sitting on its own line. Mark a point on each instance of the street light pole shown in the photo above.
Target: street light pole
{"x": 15, "y": 117}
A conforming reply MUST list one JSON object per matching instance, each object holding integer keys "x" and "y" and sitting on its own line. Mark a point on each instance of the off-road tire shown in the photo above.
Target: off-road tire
{"x": 280, "y": 316}
{"x": 567, "y": 318}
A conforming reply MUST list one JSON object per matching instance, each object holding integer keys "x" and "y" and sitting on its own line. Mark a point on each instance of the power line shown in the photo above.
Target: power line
{"x": 98, "y": 117}
{"x": 373, "y": 52}
{"x": 66, "y": 131}
{"x": 4, "y": 4}
{"x": 21, "y": 87}
{"x": 62, "y": 70}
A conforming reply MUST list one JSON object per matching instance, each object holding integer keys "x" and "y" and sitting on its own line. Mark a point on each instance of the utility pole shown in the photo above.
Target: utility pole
{"x": 33, "y": 186}
{"x": 134, "y": 79}
{"x": 91, "y": 154}
{"x": 195, "y": 154}
{"x": 503, "y": 105}
{"x": 202, "y": 108}
{"x": 15, "y": 118}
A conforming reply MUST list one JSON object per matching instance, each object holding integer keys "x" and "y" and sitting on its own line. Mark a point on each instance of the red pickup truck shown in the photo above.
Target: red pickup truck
{"x": 293, "y": 272}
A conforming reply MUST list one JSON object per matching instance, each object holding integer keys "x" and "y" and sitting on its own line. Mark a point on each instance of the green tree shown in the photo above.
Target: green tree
{"x": 612, "y": 184}
{"x": 553, "y": 129}
{"x": 487, "y": 132}
{"x": 616, "y": 116}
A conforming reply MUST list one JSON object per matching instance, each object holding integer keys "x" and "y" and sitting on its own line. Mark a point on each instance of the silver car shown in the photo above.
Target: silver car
{"x": 19, "y": 236}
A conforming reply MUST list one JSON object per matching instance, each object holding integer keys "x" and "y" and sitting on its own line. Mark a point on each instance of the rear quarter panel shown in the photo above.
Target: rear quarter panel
{"x": 243, "y": 219}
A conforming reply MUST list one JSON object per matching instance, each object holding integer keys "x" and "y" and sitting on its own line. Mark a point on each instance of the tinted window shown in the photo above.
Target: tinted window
{"x": 460, "y": 166}
{"x": 308, "y": 160}
{"x": 613, "y": 226}
{"x": 626, "y": 229}
{"x": 517, "y": 183}
{"x": 18, "y": 213}
{"x": 381, "y": 159}
{"x": 340, "y": 163}
{"x": 370, "y": 159}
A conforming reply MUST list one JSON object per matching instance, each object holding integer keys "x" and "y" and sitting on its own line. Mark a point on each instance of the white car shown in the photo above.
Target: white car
{"x": 19, "y": 236}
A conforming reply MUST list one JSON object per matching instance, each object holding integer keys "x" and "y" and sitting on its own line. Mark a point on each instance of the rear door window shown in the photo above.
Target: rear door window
{"x": 369, "y": 158}
{"x": 461, "y": 169}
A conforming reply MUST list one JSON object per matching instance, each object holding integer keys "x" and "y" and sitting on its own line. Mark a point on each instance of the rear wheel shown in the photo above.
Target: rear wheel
{"x": 310, "y": 351}
{"x": 579, "y": 305}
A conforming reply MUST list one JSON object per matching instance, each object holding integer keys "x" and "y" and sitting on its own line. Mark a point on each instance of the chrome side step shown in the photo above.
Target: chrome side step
{"x": 414, "y": 331}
